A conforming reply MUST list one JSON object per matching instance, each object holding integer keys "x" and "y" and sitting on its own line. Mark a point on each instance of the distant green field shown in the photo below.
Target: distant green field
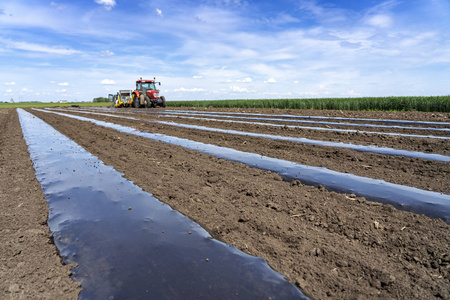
{"x": 44, "y": 104}
{"x": 429, "y": 104}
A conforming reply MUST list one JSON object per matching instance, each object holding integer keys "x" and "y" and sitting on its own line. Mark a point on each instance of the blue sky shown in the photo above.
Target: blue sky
{"x": 224, "y": 49}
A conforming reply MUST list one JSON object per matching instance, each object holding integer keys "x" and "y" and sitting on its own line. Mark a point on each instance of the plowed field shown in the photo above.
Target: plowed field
{"x": 335, "y": 246}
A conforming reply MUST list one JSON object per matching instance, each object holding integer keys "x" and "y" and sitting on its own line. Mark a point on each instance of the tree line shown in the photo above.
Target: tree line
{"x": 100, "y": 99}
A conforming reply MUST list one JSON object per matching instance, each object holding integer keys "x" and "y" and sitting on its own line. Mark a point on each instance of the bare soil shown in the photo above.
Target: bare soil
{"x": 395, "y": 115}
{"x": 420, "y": 173}
{"x": 333, "y": 246}
{"x": 30, "y": 267}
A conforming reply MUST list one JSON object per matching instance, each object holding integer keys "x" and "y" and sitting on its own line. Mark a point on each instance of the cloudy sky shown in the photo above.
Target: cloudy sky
{"x": 224, "y": 49}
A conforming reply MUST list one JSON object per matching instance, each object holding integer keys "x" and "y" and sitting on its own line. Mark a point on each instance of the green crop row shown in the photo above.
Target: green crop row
{"x": 429, "y": 104}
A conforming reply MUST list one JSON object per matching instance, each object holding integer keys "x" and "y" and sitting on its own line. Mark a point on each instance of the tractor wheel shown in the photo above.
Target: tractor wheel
{"x": 135, "y": 101}
{"x": 148, "y": 103}
{"x": 163, "y": 101}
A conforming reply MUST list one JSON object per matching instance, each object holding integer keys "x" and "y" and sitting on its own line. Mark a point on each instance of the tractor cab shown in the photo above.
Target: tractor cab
{"x": 147, "y": 95}
{"x": 145, "y": 85}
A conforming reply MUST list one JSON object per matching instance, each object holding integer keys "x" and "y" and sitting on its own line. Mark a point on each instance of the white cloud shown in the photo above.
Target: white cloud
{"x": 189, "y": 90}
{"x": 63, "y": 83}
{"x": 238, "y": 89}
{"x": 197, "y": 76}
{"x": 382, "y": 21}
{"x": 352, "y": 93}
{"x": 108, "y": 82}
{"x": 245, "y": 80}
{"x": 159, "y": 12}
{"x": 107, "y": 53}
{"x": 280, "y": 19}
{"x": 40, "y": 48}
{"x": 323, "y": 14}
{"x": 61, "y": 91}
{"x": 270, "y": 80}
{"x": 230, "y": 2}
{"x": 57, "y": 6}
{"x": 10, "y": 83}
{"x": 109, "y": 4}
{"x": 9, "y": 90}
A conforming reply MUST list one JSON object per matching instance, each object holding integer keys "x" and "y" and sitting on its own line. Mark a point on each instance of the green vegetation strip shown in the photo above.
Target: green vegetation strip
{"x": 428, "y": 104}
{"x": 56, "y": 104}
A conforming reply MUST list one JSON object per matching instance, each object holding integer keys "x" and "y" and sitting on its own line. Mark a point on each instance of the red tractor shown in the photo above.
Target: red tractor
{"x": 146, "y": 94}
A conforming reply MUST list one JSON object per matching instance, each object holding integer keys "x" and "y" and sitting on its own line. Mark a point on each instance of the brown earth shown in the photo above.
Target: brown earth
{"x": 428, "y": 145}
{"x": 333, "y": 246}
{"x": 424, "y": 174}
{"x": 395, "y": 115}
{"x": 30, "y": 267}
{"x": 409, "y": 128}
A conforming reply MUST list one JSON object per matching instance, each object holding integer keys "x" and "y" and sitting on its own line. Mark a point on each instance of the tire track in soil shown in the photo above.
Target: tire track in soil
{"x": 333, "y": 246}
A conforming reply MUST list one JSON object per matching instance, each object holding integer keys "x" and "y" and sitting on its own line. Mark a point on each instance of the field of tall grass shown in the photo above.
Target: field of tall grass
{"x": 428, "y": 104}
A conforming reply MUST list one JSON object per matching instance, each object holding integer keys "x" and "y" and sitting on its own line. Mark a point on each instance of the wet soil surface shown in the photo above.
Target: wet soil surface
{"x": 333, "y": 246}
{"x": 30, "y": 267}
